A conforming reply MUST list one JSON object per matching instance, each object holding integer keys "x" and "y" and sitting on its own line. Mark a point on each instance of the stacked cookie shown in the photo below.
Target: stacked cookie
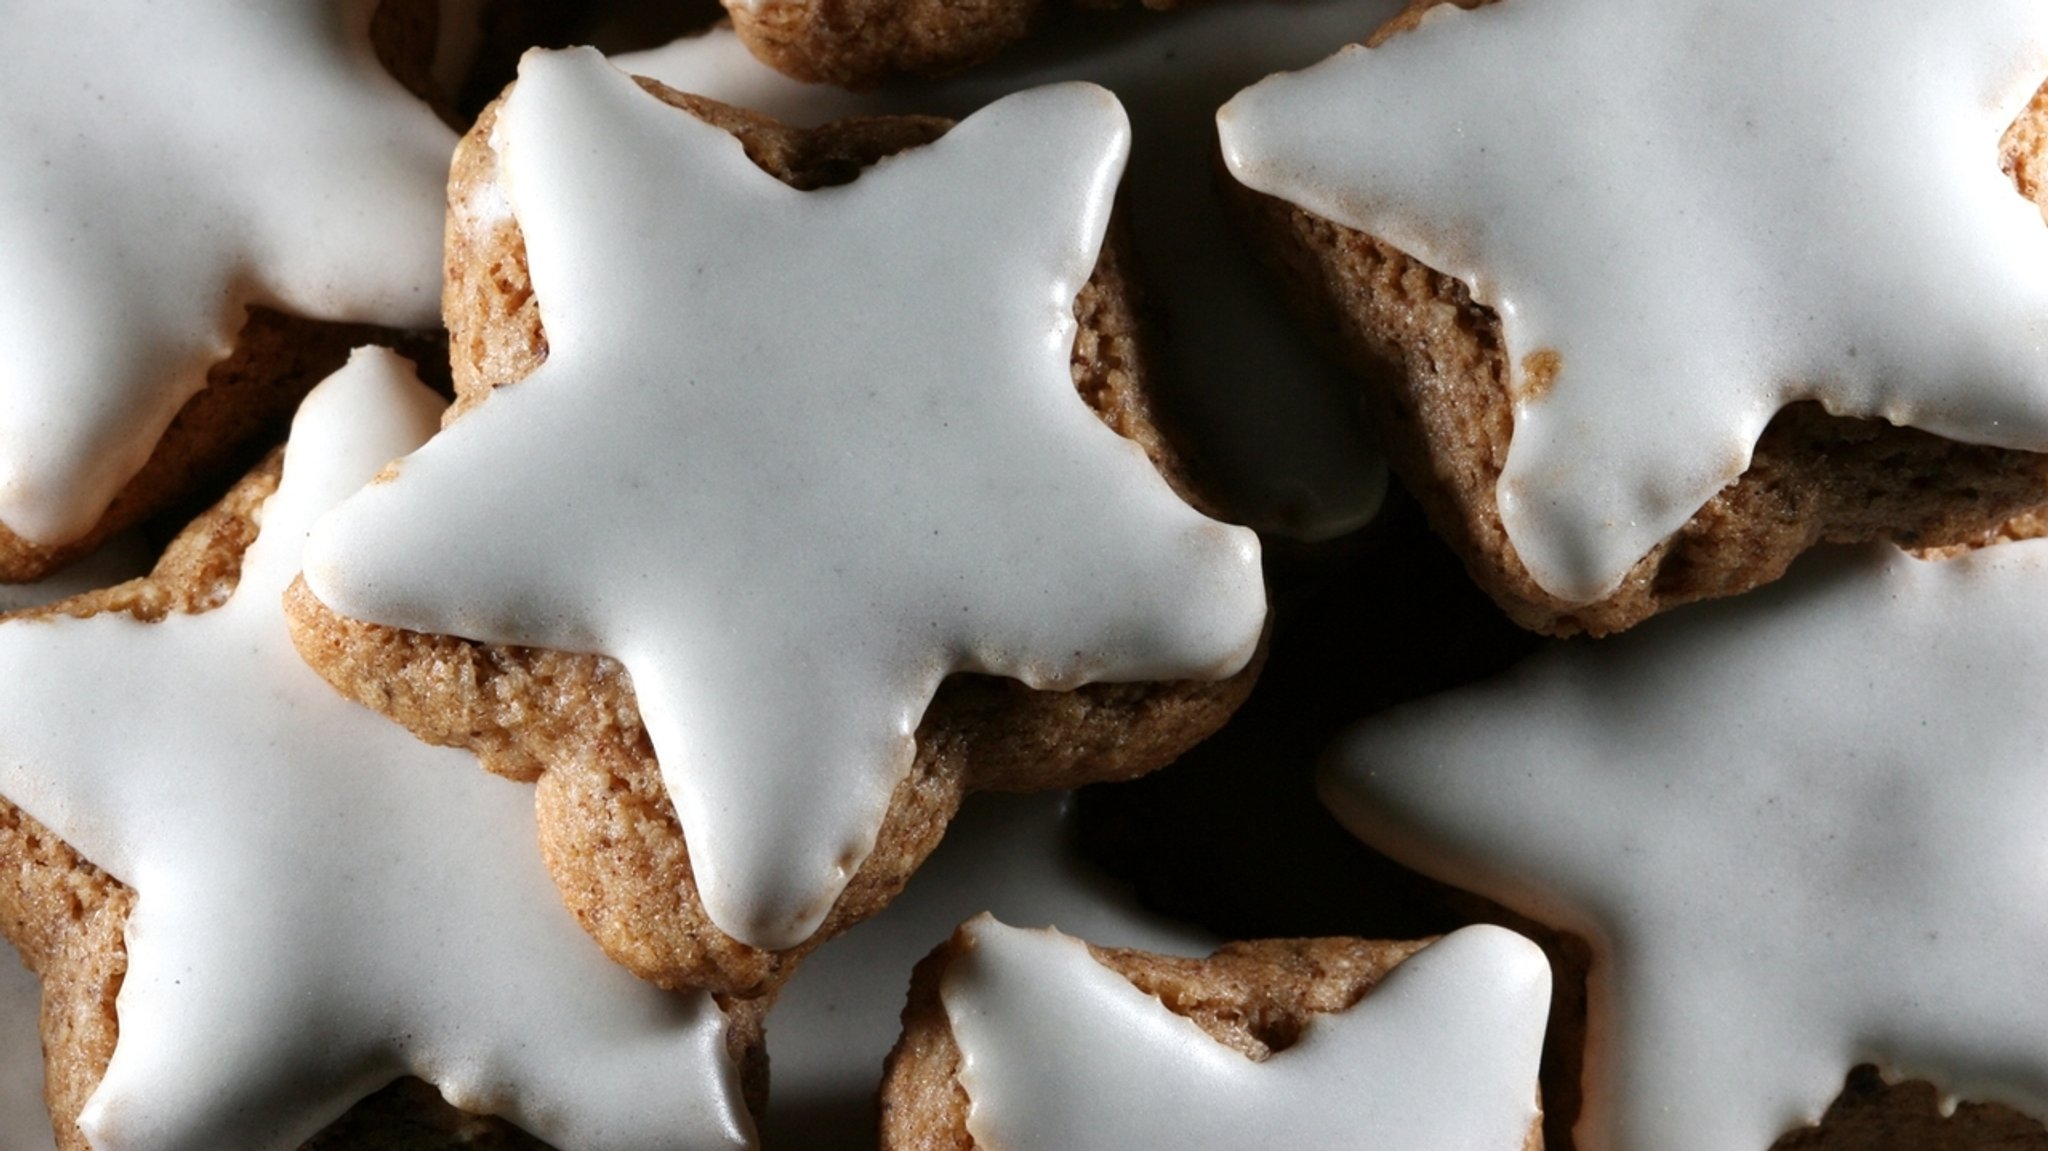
{"x": 804, "y": 474}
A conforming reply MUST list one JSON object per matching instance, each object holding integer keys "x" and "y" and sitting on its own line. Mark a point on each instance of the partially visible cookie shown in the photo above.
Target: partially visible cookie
{"x": 243, "y": 404}
{"x": 254, "y": 905}
{"x": 858, "y": 43}
{"x": 1031, "y": 1039}
{"x": 1641, "y": 323}
{"x": 157, "y": 230}
{"x": 1795, "y": 829}
{"x": 767, "y": 493}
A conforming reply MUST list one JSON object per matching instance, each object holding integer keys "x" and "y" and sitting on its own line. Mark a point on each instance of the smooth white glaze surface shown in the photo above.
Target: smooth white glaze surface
{"x": 1278, "y": 425}
{"x": 323, "y": 902}
{"x": 1705, "y": 209}
{"x": 792, "y": 459}
{"x": 1801, "y": 830}
{"x": 1060, "y": 1052}
{"x": 163, "y": 166}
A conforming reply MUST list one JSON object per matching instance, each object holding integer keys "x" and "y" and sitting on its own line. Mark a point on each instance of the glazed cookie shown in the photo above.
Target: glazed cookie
{"x": 176, "y": 181}
{"x": 1270, "y": 426}
{"x": 783, "y": 437}
{"x": 1032, "y": 1040}
{"x": 1799, "y": 831}
{"x": 297, "y": 903}
{"x": 1708, "y": 286}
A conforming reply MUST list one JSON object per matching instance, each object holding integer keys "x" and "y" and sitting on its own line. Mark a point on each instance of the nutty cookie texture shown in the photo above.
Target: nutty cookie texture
{"x": 1631, "y": 387}
{"x": 1017, "y": 1038}
{"x": 804, "y": 804}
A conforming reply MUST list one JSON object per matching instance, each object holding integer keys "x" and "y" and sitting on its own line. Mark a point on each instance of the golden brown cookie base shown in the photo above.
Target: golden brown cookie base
{"x": 1436, "y": 385}
{"x": 66, "y": 916}
{"x": 608, "y": 831}
{"x": 860, "y": 43}
{"x": 1255, "y": 998}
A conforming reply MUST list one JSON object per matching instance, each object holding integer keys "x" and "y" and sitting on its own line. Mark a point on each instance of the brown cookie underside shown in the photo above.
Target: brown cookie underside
{"x": 608, "y": 831}
{"x": 860, "y": 43}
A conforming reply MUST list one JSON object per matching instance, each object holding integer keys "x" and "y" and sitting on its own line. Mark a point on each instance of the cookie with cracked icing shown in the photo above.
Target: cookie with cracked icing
{"x": 612, "y": 829}
{"x": 1035, "y": 1040}
{"x": 240, "y": 943}
{"x": 1627, "y": 338}
{"x": 184, "y": 274}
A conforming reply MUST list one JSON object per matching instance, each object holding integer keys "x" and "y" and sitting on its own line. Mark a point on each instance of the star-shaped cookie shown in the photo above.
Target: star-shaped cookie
{"x": 1801, "y": 831}
{"x": 324, "y": 904}
{"x": 793, "y": 458}
{"x": 1688, "y": 214}
{"x": 1283, "y": 445}
{"x": 163, "y": 167}
{"x": 1058, "y": 1051}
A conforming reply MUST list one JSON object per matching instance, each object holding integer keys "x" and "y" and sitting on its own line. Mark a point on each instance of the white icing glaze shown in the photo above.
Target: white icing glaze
{"x": 1707, "y": 210}
{"x": 838, "y": 1016}
{"x": 1801, "y": 830}
{"x": 1276, "y": 423}
{"x": 1058, "y": 1051}
{"x": 24, "y": 1124}
{"x": 162, "y": 166}
{"x": 324, "y": 903}
{"x": 793, "y": 458}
